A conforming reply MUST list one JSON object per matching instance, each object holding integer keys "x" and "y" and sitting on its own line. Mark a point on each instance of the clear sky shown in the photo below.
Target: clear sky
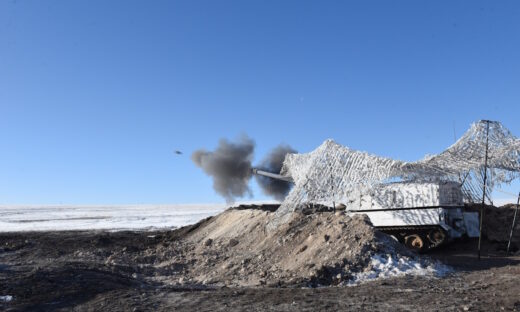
{"x": 95, "y": 96}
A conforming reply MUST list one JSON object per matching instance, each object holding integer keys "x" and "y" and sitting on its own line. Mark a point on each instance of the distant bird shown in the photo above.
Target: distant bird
{"x": 178, "y": 152}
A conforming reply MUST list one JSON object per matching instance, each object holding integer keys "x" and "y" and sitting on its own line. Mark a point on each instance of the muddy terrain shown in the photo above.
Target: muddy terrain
{"x": 229, "y": 263}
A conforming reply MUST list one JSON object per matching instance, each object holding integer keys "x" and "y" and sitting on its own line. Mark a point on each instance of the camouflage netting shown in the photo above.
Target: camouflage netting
{"x": 332, "y": 171}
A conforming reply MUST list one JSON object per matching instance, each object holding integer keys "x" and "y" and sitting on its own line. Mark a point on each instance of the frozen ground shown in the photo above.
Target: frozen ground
{"x": 110, "y": 271}
{"x": 103, "y": 217}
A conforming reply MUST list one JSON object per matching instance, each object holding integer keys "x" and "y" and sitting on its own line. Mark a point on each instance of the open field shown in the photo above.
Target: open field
{"x": 102, "y": 217}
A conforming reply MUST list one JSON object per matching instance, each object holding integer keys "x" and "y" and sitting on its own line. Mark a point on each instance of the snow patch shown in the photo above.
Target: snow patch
{"x": 6, "y": 298}
{"x": 388, "y": 265}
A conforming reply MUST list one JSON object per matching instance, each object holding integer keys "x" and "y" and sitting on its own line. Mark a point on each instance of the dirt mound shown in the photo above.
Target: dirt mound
{"x": 235, "y": 248}
{"x": 326, "y": 248}
{"x": 497, "y": 222}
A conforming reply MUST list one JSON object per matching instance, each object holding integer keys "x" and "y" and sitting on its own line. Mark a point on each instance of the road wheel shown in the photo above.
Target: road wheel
{"x": 414, "y": 242}
{"x": 436, "y": 236}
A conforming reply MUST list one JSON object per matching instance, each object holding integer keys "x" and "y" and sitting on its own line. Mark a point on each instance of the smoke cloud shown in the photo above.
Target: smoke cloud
{"x": 229, "y": 165}
{"x": 273, "y": 163}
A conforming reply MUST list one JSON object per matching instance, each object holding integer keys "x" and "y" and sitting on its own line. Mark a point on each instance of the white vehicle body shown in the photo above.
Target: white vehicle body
{"x": 421, "y": 215}
{"x": 416, "y": 205}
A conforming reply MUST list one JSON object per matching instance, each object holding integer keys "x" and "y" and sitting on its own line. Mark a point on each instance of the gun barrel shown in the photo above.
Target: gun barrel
{"x": 272, "y": 175}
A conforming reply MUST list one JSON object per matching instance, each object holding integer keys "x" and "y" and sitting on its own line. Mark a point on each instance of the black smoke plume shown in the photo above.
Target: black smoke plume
{"x": 273, "y": 163}
{"x": 229, "y": 165}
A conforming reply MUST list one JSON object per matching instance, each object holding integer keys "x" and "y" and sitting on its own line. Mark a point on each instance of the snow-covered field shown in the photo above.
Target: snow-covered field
{"x": 103, "y": 217}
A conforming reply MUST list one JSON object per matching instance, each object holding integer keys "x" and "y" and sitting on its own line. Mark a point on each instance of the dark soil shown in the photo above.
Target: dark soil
{"x": 63, "y": 271}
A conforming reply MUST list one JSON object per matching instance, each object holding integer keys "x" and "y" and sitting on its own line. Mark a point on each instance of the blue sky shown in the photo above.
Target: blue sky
{"x": 95, "y": 96}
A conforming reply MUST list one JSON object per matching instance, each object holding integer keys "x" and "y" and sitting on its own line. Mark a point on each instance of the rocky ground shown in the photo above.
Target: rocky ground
{"x": 229, "y": 263}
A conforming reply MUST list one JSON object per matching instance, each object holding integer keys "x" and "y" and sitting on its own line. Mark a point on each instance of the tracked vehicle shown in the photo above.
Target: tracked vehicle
{"x": 421, "y": 215}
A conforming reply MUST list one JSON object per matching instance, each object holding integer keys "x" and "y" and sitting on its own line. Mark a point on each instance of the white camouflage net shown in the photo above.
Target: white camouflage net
{"x": 332, "y": 171}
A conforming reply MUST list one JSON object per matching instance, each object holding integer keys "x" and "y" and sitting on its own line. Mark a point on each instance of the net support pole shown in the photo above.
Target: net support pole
{"x": 514, "y": 223}
{"x": 483, "y": 188}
